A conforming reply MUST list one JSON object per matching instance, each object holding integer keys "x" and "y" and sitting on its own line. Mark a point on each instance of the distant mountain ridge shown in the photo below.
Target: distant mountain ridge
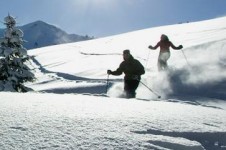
{"x": 40, "y": 34}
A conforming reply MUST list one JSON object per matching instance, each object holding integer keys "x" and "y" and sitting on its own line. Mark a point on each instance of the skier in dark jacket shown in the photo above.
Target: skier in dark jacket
{"x": 133, "y": 70}
{"x": 164, "y": 53}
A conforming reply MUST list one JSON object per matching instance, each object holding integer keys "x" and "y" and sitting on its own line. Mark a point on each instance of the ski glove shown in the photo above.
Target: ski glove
{"x": 109, "y": 72}
{"x": 180, "y": 46}
{"x": 151, "y": 47}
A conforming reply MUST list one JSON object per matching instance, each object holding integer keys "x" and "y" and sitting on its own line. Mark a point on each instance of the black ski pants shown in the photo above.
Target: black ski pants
{"x": 130, "y": 87}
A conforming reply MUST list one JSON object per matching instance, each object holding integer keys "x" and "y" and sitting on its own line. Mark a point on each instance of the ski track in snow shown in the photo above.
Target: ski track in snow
{"x": 96, "y": 85}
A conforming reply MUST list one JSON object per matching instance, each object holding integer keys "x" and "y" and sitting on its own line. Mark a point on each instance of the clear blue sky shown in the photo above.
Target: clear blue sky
{"x": 109, "y": 17}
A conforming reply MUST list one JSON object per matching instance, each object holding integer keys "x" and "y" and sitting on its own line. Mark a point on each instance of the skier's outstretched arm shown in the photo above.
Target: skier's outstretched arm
{"x": 155, "y": 47}
{"x": 175, "y": 47}
{"x": 117, "y": 72}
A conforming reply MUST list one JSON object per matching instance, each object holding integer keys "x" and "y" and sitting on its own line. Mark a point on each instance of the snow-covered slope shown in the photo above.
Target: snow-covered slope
{"x": 198, "y": 68}
{"x": 190, "y": 115}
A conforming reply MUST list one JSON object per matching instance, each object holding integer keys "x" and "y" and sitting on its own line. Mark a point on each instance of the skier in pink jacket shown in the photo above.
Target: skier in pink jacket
{"x": 164, "y": 53}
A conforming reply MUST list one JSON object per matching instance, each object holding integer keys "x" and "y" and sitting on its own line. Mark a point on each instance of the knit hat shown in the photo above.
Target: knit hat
{"x": 126, "y": 51}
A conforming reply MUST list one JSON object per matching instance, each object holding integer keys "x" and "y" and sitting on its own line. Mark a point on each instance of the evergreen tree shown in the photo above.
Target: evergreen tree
{"x": 13, "y": 58}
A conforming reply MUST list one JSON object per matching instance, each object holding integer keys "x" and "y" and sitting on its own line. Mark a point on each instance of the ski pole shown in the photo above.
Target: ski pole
{"x": 185, "y": 58}
{"x": 151, "y": 90}
{"x": 107, "y": 84}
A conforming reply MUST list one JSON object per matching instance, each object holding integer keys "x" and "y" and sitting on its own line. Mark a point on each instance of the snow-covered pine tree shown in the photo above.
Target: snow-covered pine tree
{"x": 13, "y": 58}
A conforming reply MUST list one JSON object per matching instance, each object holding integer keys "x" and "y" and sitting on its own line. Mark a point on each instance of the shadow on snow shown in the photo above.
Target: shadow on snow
{"x": 209, "y": 140}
